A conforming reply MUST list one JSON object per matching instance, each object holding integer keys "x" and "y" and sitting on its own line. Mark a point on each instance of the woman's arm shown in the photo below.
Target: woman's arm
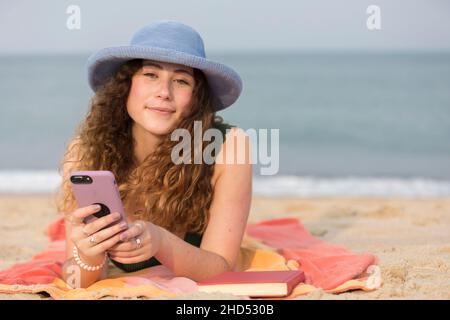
{"x": 71, "y": 272}
{"x": 92, "y": 254}
{"x": 229, "y": 212}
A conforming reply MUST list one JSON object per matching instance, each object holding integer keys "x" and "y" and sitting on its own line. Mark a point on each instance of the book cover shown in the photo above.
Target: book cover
{"x": 254, "y": 283}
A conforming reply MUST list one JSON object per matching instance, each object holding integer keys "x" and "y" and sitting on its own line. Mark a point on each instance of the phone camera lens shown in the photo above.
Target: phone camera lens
{"x": 81, "y": 179}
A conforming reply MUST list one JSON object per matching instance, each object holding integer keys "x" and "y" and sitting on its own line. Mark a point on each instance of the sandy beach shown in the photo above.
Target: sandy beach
{"x": 410, "y": 237}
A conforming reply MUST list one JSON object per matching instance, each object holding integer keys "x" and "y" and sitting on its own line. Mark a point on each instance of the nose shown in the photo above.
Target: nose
{"x": 163, "y": 90}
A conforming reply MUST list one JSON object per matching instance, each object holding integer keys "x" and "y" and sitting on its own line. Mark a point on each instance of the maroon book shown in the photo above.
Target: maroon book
{"x": 254, "y": 283}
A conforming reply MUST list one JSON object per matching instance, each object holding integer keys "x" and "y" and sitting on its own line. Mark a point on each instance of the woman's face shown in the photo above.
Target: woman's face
{"x": 161, "y": 94}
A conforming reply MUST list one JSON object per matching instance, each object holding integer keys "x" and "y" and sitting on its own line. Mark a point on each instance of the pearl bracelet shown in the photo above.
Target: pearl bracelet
{"x": 84, "y": 265}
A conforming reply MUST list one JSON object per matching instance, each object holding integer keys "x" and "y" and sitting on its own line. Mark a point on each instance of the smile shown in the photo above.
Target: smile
{"x": 160, "y": 111}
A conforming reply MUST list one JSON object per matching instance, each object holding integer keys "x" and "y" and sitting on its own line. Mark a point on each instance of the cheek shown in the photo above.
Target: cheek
{"x": 136, "y": 96}
{"x": 185, "y": 102}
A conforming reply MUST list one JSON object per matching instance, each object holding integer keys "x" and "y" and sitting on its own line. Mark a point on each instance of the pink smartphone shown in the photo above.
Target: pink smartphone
{"x": 97, "y": 187}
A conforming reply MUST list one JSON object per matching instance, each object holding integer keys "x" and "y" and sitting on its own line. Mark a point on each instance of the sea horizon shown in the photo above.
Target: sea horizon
{"x": 344, "y": 117}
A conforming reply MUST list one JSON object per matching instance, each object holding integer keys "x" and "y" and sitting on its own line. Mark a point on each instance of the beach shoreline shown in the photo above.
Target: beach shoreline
{"x": 410, "y": 237}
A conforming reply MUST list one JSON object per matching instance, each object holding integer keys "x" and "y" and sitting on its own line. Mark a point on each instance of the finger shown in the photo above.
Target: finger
{"x": 126, "y": 254}
{"x": 70, "y": 218}
{"x": 101, "y": 223}
{"x": 106, "y": 233}
{"x": 86, "y": 244}
{"x": 123, "y": 246}
{"x": 104, "y": 245}
{"x": 135, "y": 230}
{"x": 129, "y": 246}
{"x": 79, "y": 214}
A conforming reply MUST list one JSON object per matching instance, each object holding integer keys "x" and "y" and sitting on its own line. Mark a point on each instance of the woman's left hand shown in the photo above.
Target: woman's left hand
{"x": 139, "y": 243}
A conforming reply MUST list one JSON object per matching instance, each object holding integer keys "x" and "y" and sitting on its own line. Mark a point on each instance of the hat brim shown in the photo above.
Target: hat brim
{"x": 224, "y": 82}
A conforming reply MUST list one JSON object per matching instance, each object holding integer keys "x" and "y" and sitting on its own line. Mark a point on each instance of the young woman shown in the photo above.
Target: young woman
{"x": 189, "y": 217}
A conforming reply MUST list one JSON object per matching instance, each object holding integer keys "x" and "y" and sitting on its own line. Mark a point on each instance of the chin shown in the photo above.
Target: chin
{"x": 158, "y": 130}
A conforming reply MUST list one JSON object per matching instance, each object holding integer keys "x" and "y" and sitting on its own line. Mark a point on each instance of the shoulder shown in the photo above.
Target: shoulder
{"x": 237, "y": 145}
{"x": 234, "y": 157}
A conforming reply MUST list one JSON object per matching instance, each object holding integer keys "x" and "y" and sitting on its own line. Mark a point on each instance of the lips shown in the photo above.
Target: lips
{"x": 160, "y": 110}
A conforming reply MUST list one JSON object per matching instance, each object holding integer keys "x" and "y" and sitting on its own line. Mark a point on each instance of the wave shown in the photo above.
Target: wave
{"x": 47, "y": 181}
{"x": 304, "y": 186}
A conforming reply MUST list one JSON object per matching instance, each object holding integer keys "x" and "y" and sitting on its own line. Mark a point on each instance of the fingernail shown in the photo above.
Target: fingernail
{"x": 123, "y": 225}
{"x": 123, "y": 236}
{"x": 116, "y": 215}
{"x": 96, "y": 207}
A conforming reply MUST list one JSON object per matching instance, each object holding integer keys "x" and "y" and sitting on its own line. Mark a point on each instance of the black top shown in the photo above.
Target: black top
{"x": 193, "y": 238}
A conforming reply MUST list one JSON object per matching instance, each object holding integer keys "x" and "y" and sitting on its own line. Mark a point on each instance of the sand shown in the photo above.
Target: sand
{"x": 410, "y": 237}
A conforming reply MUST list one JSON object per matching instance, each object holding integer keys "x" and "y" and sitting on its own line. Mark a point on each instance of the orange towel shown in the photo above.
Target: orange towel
{"x": 278, "y": 244}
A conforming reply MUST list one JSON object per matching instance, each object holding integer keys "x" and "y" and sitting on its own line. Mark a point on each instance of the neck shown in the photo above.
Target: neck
{"x": 146, "y": 142}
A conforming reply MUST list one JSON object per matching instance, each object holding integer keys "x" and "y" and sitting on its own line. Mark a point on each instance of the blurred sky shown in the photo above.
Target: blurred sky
{"x": 250, "y": 25}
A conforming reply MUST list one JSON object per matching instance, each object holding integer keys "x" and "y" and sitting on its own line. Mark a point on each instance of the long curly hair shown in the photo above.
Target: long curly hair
{"x": 174, "y": 196}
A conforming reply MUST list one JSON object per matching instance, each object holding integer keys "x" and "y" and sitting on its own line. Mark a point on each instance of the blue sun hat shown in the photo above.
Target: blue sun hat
{"x": 173, "y": 42}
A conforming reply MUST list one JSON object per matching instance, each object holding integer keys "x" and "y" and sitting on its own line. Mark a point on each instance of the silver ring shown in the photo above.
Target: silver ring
{"x": 138, "y": 242}
{"x": 92, "y": 240}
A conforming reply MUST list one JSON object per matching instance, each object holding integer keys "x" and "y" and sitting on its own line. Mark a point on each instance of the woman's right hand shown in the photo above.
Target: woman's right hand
{"x": 94, "y": 239}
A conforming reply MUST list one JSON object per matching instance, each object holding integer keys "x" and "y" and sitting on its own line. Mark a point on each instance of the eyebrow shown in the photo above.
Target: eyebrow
{"x": 152, "y": 64}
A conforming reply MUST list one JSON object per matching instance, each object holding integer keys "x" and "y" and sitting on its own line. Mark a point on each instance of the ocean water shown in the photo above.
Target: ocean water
{"x": 349, "y": 123}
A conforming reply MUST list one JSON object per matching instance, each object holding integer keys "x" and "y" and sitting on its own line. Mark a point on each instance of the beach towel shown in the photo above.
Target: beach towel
{"x": 276, "y": 244}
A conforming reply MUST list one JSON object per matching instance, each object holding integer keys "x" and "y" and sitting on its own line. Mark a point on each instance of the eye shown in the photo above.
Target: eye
{"x": 150, "y": 74}
{"x": 182, "y": 82}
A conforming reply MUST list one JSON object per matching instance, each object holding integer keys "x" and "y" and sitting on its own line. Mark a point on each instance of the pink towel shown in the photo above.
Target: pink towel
{"x": 326, "y": 266}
